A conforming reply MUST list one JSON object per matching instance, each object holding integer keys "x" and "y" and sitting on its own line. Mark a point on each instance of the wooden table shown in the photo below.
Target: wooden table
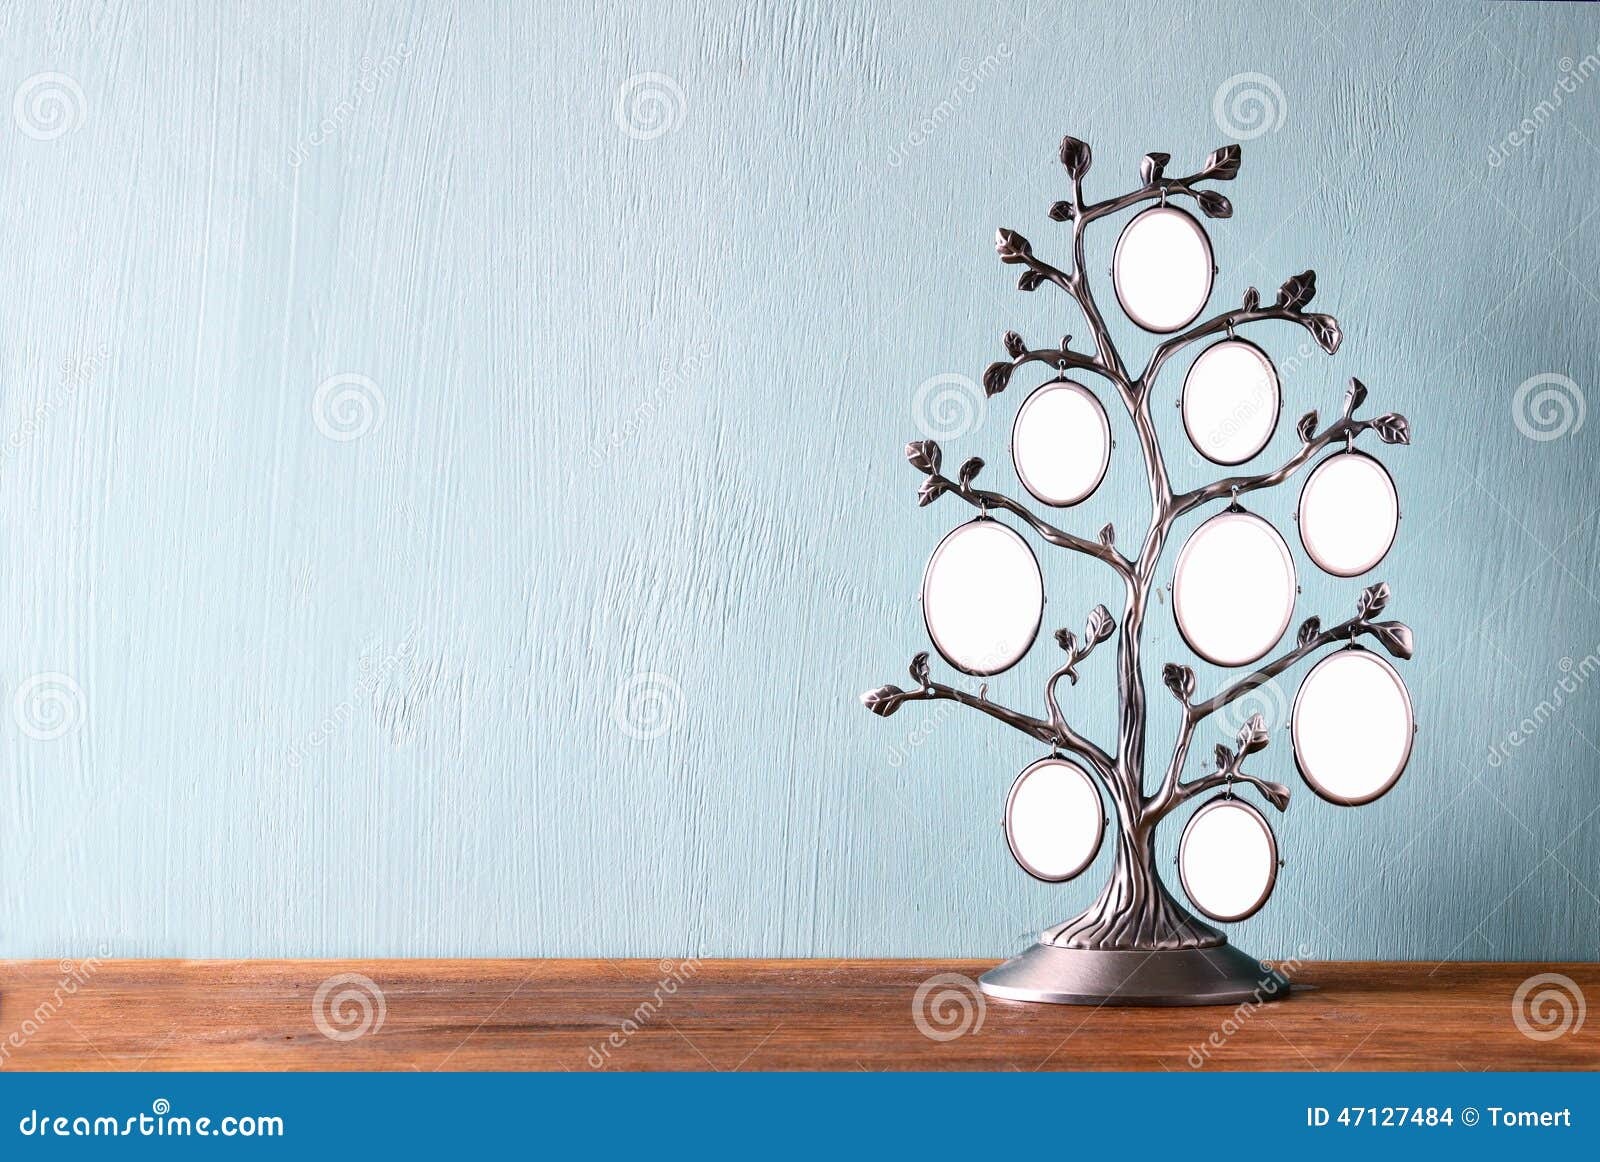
{"x": 751, "y": 1014}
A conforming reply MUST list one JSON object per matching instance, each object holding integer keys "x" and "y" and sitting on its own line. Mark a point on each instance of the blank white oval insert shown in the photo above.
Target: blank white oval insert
{"x": 1054, "y": 820}
{"x": 1228, "y": 860}
{"x": 1230, "y": 401}
{"x": 1061, "y": 443}
{"x": 1162, "y": 269}
{"x": 1233, "y": 592}
{"x": 1349, "y": 512}
{"x": 982, "y": 597}
{"x": 1352, "y": 727}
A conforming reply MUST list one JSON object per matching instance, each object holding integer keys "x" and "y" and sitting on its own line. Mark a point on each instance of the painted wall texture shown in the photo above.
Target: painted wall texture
{"x": 452, "y": 483}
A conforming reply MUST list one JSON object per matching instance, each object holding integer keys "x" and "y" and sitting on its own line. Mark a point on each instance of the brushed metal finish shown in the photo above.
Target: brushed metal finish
{"x": 1052, "y": 974}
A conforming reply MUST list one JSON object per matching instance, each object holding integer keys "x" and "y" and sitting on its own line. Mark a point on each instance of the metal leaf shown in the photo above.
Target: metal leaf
{"x": 969, "y": 471}
{"x": 1223, "y": 756}
{"x": 995, "y": 377}
{"x": 1011, "y": 246}
{"x": 1395, "y": 637}
{"x": 1153, "y": 166}
{"x": 1015, "y": 347}
{"x": 1253, "y": 735}
{"x": 1252, "y": 299}
{"x": 1061, "y": 211}
{"x": 932, "y": 489}
{"x": 1297, "y": 290}
{"x": 1030, "y": 280}
{"x": 1355, "y": 396}
{"x": 1393, "y": 428}
{"x": 1108, "y": 536}
{"x": 1325, "y": 330}
{"x": 1309, "y": 628}
{"x": 919, "y": 668}
{"x": 1100, "y": 625}
{"x": 1307, "y": 427}
{"x": 1373, "y": 600}
{"x": 924, "y": 455}
{"x": 883, "y": 701}
{"x": 1076, "y": 156}
{"x": 1178, "y": 679}
{"x": 1214, "y": 204}
{"x": 1276, "y": 794}
{"x": 1222, "y": 165}
{"x": 1066, "y": 639}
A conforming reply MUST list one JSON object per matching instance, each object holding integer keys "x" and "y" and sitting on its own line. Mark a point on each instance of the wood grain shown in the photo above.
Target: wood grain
{"x": 753, "y": 1015}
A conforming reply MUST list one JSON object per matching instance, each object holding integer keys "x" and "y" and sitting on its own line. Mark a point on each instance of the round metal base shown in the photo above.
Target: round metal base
{"x": 1055, "y": 975}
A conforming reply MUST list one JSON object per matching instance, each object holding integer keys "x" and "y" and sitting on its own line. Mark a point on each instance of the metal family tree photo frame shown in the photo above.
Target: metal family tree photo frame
{"x": 1136, "y": 944}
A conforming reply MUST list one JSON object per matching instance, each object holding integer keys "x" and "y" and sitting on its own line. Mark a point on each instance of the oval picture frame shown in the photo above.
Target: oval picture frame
{"x": 983, "y": 521}
{"x": 1277, "y": 400}
{"x": 1143, "y": 220}
{"x": 1300, "y": 514}
{"x": 1354, "y": 649}
{"x": 1030, "y": 771}
{"x": 1038, "y": 394}
{"x": 1228, "y": 801}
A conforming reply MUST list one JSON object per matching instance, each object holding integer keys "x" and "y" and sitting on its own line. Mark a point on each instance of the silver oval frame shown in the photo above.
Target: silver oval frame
{"x": 1232, "y": 801}
{"x": 1211, "y": 263}
{"x": 1411, "y": 735}
{"x": 1277, "y": 390}
{"x": 1294, "y": 577}
{"x": 1299, "y": 518}
{"x": 1100, "y": 832}
{"x": 1105, "y": 421}
{"x": 922, "y": 594}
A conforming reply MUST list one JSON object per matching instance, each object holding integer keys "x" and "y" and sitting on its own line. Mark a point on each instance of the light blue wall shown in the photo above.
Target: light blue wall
{"x": 643, "y": 399}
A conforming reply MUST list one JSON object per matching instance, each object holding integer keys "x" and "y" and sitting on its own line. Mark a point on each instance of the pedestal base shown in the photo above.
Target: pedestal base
{"x": 1055, "y": 975}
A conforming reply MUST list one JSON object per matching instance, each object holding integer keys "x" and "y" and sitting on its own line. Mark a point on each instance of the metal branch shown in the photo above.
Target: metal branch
{"x": 1224, "y": 322}
{"x": 1344, "y": 631}
{"x": 1239, "y": 485}
{"x": 982, "y": 499}
{"x": 1275, "y": 793}
{"x": 1057, "y": 734}
{"x": 1061, "y": 358}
